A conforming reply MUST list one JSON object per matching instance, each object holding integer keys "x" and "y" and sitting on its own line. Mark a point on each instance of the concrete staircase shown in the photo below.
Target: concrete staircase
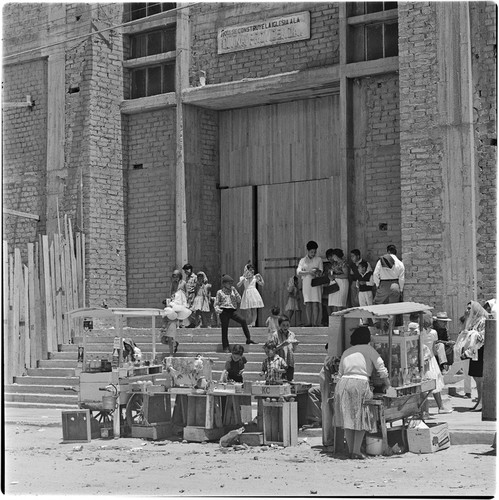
{"x": 49, "y": 385}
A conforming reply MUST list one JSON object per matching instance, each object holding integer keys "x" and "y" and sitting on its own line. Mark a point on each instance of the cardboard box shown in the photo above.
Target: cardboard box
{"x": 434, "y": 438}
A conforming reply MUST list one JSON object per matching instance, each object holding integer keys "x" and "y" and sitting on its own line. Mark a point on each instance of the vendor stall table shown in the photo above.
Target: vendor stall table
{"x": 411, "y": 396}
{"x": 118, "y": 382}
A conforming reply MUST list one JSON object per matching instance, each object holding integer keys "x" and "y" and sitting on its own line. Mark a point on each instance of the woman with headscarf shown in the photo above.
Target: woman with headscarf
{"x": 356, "y": 366}
{"x": 469, "y": 345}
{"x": 310, "y": 267}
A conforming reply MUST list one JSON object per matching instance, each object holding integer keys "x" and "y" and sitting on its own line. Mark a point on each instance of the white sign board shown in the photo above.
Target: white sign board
{"x": 263, "y": 33}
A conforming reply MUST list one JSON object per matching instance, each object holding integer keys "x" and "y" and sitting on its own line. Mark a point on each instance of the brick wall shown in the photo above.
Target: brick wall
{"x": 421, "y": 153}
{"x": 103, "y": 193}
{"x": 206, "y": 18}
{"x": 376, "y": 177}
{"x": 436, "y": 234}
{"x": 24, "y": 151}
{"x": 484, "y": 67}
{"x": 150, "y": 141}
{"x": 203, "y": 197}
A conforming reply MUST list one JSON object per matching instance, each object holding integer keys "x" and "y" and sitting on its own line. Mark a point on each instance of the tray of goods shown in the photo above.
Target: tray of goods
{"x": 261, "y": 389}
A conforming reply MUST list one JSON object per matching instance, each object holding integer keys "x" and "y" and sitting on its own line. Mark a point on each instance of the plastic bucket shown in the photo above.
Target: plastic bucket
{"x": 374, "y": 445}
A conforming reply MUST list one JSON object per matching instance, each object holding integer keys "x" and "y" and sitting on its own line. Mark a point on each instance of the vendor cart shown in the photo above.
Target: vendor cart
{"x": 402, "y": 353}
{"x": 113, "y": 390}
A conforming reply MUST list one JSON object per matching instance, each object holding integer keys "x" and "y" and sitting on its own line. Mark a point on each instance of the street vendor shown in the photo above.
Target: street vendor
{"x": 352, "y": 390}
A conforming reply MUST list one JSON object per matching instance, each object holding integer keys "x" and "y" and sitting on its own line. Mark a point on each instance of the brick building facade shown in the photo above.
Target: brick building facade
{"x": 407, "y": 151}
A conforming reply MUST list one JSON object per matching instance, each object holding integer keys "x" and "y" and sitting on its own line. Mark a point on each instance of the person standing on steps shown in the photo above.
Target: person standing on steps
{"x": 310, "y": 267}
{"x": 389, "y": 277}
{"x": 227, "y": 301}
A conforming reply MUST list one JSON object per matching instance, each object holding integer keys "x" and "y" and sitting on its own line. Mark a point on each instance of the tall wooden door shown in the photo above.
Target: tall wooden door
{"x": 289, "y": 215}
{"x": 237, "y": 233}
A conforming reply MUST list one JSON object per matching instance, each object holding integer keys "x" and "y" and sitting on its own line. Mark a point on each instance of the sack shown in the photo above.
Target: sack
{"x": 332, "y": 288}
{"x": 321, "y": 280}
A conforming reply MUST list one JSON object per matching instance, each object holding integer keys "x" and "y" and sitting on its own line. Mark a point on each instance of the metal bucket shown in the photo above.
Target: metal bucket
{"x": 109, "y": 402}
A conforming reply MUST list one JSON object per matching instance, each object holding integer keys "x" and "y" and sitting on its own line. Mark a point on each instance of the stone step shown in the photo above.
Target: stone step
{"x": 51, "y": 372}
{"x": 40, "y": 389}
{"x": 72, "y": 356}
{"x": 54, "y": 399}
{"x": 40, "y": 380}
{"x": 41, "y": 405}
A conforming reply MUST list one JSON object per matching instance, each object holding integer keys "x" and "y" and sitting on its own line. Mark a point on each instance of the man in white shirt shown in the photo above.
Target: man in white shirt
{"x": 389, "y": 277}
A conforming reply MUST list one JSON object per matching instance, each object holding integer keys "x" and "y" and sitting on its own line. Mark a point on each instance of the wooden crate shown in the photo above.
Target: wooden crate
{"x": 280, "y": 423}
{"x": 78, "y": 426}
{"x": 153, "y": 431}
{"x": 270, "y": 390}
{"x": 200, "y": 434}
{"x": 251, "y": 438}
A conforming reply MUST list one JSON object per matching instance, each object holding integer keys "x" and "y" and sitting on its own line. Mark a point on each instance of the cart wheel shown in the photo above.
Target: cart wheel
{"x": 104, "y": 417}
{"x": 135, "y": 410}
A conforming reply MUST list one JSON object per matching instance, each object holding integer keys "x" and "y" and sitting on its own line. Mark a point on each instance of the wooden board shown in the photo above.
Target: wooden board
{"x": 153, "y": 431}
{"x": 237, "y": 238}
{"x": 290, "y": 141}
{"x": 200, "y": 434}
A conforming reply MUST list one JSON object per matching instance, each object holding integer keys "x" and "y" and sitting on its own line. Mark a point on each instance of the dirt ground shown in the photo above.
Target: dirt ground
{"x": 37, "y": 462}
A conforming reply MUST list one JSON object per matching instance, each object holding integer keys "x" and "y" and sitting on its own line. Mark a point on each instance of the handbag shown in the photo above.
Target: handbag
{"x": 332, "y": 288}
{"x": 321, "y": 280}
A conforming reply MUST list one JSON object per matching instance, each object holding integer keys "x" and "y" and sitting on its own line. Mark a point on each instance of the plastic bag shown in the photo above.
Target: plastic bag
{"x": 231, "y": 438}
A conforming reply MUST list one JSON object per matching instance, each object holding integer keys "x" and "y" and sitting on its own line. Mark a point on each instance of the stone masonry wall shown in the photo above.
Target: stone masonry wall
{"x": 150, "y": 142}
{"x": 322, "y": 49}
{"x": 24, "y": 151}
{"x": 484, "y": 66}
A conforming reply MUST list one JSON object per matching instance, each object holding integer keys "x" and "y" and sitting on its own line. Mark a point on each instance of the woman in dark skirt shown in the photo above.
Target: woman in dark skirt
{"x": 470, "y": 343}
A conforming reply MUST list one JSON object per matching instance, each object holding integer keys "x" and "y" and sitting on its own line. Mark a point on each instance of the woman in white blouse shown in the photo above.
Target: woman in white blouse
{"x": 309, "y": 267}
{"x": 356, "y": 366}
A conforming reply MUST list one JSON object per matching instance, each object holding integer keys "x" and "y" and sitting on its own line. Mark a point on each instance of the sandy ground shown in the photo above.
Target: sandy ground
{"x": 38, "y": 462}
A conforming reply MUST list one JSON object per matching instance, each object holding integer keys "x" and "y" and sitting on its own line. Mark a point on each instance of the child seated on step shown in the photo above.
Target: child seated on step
{"x": 273, "y": 366}
{"x": 234, "y": 366}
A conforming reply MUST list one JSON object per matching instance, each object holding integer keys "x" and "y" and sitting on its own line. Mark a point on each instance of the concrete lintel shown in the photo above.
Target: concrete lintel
{"x": 151, "y": 103}
{"x": 255, "y": 91}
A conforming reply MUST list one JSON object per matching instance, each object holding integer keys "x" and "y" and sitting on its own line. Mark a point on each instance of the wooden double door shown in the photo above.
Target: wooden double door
{"x": 279, "y": 165}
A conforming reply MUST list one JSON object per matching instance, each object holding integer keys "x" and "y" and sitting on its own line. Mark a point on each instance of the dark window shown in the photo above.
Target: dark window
{"x": 374, "y": 41}
{"x": 391, "y": 40}
{"x": 152, "y": 42}
{"x": 374, "y": 7}
{"x": 139, "y": 83}
{"x": 153, "y": 80}
{"x": 371, "y": 38}
{"x": 140, "y": 10}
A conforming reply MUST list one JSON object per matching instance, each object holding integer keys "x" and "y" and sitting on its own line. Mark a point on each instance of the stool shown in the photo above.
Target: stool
{"x": 280, "y": 423}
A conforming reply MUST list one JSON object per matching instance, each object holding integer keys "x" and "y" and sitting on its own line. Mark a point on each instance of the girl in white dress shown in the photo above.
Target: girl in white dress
{"x": 251, "y": 299}
{"x": 201, "y": 303}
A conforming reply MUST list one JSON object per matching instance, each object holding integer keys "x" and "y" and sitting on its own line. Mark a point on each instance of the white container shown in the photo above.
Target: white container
{"x": 374, "y": 445}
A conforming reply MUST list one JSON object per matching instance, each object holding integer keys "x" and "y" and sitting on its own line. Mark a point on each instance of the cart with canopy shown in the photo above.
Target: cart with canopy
{"x": 402, "y": 353}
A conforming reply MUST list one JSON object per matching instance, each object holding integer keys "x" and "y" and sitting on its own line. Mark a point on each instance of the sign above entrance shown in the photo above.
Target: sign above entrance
{"x": 272, "y": 31}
